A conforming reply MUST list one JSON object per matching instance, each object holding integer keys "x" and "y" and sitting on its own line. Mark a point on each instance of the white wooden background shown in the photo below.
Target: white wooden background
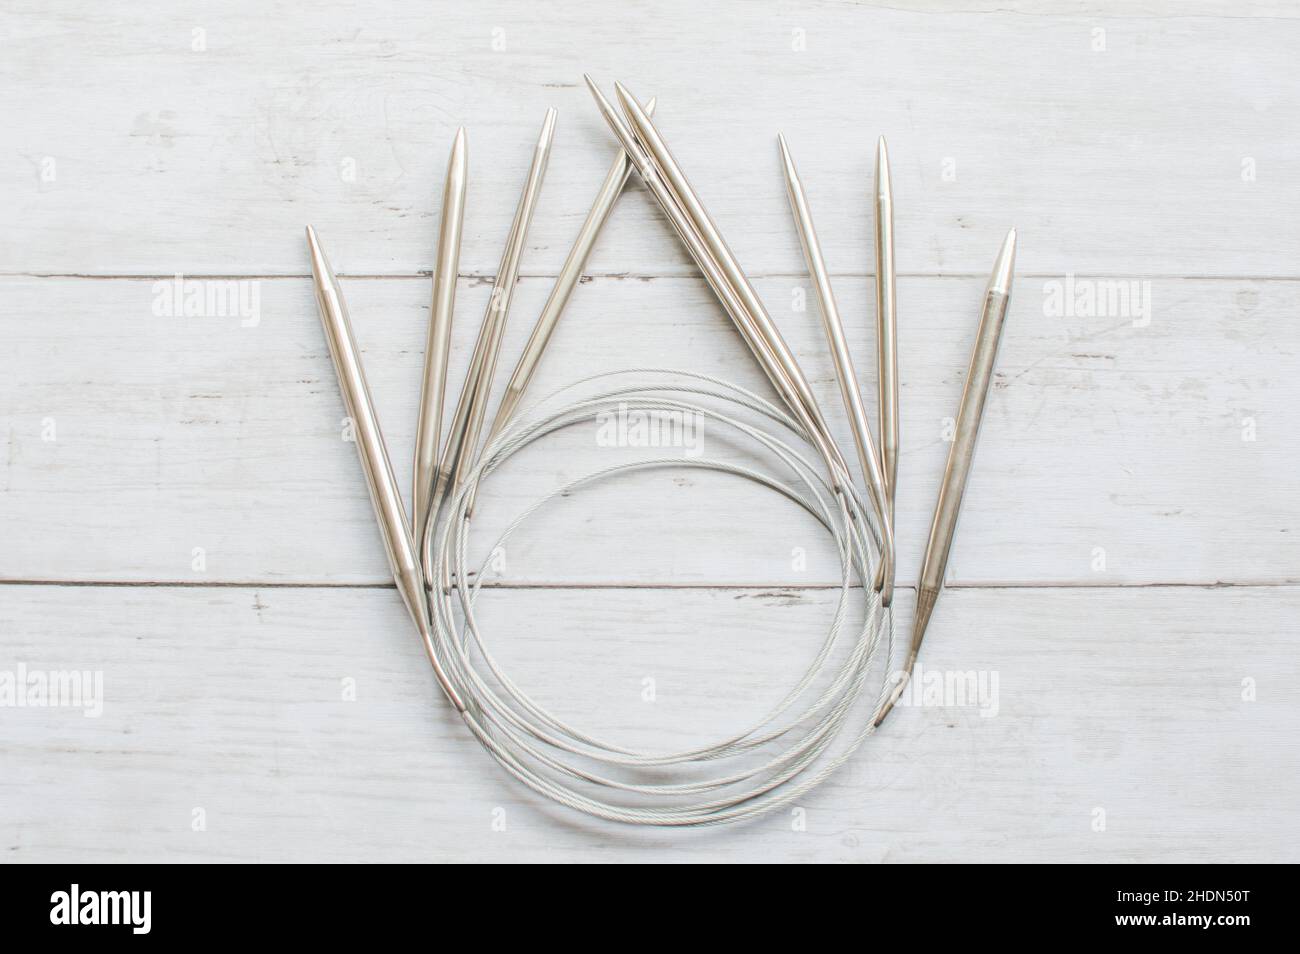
{"x": 1162, "y": 688}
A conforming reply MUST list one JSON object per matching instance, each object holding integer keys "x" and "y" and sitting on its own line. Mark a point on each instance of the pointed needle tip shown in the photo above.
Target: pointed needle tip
{"x": 1005, "y": 265}
{"x": 601, "y": 101}
{"x": 787, "y": 161}
{"x": 884, "y": 189}
{"x": 459, "y": 147}
{"x": 322, "y": 274}
{"x": 636, "y": 117}
{"x": 624, "y": 98}
{"x": 546, "y": 138}
{"x": 313, "y": 246}
{"x": 631, "y": 106}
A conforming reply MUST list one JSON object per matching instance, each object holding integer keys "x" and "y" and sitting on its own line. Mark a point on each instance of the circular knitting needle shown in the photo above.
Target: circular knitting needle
{"x": 760, "y": 346}
{"x": 462, "y": 443}
{"x": 446, "y": 268}
{"x": 691, "y": 221}
{"x": 384, "y": 493}
{"x": 868, "y": 457}
{"x": 886, "y": 325}
{"x": 960, "y": 456}
{"x": 565, "y": 283}
{"x": 657, "y": 149}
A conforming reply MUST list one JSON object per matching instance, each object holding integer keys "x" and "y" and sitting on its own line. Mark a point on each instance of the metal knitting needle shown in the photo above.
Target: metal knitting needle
{"x": 680, "y": 188}
{"x": 960, "y": 455}
{"x": 886, "y": 325}
{"x": 446, "y": 268}
{"x": 458, "y": 455}
{"x": 695, "y": 246}
{"x": 679, "y": 199}
{"x": 565, "y": 283}
{"x": 868, "y": 458}
{"x": 504, "y": 293}
{"x": 760, "y": 346}
{"x": 648, "y": 135}
{"x": 384, "y": 493}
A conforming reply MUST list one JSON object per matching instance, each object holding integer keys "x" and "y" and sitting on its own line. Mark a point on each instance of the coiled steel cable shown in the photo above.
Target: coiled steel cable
{"x": 794, "y": 746}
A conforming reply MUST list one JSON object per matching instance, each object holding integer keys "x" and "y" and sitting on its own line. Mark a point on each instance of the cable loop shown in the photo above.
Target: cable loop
{"x": 794, "y": 746}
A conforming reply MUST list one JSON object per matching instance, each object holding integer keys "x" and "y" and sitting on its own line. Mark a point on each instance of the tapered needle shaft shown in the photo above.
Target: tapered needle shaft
{"x": 868, "y": 458}
{"x": 670, "y": 187}
{"x": 459, "y": 454}
{"x": 886, "y": 324}
{"x": 565, "y": 283}
{"x": 384, "y": 492}
{"x": 961, "y": 455}
{"x": 648, "y": 135}
{"x": 685, "y": 230}
{"x": 437, "y": 349}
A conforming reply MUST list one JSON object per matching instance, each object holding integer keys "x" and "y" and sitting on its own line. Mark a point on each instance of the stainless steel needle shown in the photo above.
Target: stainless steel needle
{"x": 384, "y": 492}
{"x": 960, "y": 455}
{"x": 886, "y": 325}
{"x": 670, "y": 187}
{"x": 446, "y": 267}
{"x": 868, "y": 458}
{"x": 565, "y": 283}
{"x": 462, "y": 443}
{"x": 648, "y": 135}
{"x": 753, "y": 338}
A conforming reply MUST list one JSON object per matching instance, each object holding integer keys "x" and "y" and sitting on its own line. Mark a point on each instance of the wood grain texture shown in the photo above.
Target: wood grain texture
{"x": 230, "y": 700}
{"x": 176, "y": 433}
{"x": 1117, "y": 161}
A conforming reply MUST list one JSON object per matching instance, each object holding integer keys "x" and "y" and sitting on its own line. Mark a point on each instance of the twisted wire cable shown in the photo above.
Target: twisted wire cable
{"x": 795, "y": 745}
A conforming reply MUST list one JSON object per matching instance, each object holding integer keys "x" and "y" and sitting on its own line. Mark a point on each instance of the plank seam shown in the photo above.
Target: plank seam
{"x": 648, "y": 276}
{"x": 644, "y": 585}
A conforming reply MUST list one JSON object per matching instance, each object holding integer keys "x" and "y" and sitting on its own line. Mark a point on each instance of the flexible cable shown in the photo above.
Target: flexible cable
{"x": 787, "y": 752}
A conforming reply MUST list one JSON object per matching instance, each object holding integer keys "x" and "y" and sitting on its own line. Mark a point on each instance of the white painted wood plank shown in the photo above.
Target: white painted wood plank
{"x": 229, "y": 700}
{"x": 180, "y": 433}
{"x": 128, "y": 152}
